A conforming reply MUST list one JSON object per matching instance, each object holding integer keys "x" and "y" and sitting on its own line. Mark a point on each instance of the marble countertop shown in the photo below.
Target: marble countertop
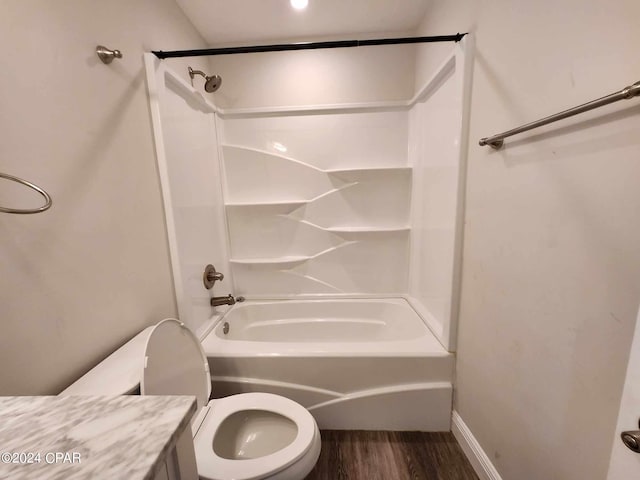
{"x": 83, "y": 437}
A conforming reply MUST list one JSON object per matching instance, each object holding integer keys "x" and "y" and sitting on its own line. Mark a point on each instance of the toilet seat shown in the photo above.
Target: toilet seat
{"x": 213, "y": 467}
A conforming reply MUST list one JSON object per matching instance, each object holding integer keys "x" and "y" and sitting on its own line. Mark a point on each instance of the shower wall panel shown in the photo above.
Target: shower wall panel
{"x": 318, "y": 203}
{"x": 436, "y": 153}
{"x": 189, "y": 169}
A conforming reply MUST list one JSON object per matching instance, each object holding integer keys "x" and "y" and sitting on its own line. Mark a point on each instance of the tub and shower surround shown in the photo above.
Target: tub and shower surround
{"x": 353, "y": 199}
{"x": 340, "y": 211}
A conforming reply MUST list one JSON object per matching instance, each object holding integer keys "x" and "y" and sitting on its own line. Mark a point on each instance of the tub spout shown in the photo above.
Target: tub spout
{"x": 228, "y": 300}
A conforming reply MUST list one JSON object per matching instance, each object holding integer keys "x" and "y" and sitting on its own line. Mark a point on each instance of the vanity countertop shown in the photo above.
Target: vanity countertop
{"x": 86, "y": 437}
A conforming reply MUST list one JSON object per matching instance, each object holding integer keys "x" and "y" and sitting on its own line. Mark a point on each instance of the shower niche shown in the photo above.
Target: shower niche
{"x": 318, "y": 204}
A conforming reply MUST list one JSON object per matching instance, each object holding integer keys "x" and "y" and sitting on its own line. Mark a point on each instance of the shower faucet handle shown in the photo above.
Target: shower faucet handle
{"x": 211, "y": 276}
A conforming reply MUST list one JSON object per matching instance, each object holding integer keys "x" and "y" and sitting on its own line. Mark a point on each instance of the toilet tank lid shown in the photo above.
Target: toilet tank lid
{"x": 175, "y": 364}
{"x": 118, "y": 374}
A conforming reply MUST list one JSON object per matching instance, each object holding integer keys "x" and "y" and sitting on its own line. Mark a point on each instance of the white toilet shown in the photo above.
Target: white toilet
{"x": 241, "y": 437}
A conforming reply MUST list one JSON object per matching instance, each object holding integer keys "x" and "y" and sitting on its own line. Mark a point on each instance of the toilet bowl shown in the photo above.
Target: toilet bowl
{"x": 256, "y": 435}
{"x": 246, "y": 436}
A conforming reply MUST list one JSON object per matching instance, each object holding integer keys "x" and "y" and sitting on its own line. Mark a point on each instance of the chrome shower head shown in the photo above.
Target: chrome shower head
{"x": 211, "y": 83}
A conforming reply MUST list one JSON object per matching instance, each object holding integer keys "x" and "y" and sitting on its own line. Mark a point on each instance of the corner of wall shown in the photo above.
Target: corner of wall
{"x": 479, "y": 460}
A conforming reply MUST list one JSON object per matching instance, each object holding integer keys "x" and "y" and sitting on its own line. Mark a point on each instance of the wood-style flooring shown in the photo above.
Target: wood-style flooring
{"x": 362, "y": 455}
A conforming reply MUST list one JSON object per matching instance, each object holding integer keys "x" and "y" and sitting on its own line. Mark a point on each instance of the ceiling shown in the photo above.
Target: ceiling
{"x": 243, "y": 21}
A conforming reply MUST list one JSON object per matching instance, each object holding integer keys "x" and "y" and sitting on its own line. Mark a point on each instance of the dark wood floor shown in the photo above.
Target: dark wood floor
{"x": 355, "y": 455}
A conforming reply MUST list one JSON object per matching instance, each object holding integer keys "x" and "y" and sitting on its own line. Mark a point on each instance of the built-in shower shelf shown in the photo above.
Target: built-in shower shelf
{"x": 381, "y": 170}
{"x": 288, "y": 259}
{"x": 367, "y": 229}
{"x": 358, "y": 228}
{"x": 264, "y": 154}
{"x": 271, "y": 260}
{"x": 282, "y": 203}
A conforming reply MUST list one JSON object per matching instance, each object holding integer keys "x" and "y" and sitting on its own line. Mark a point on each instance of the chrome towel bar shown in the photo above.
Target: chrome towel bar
{"x": 496, "y": 141}
{"x": 46, "y": 196}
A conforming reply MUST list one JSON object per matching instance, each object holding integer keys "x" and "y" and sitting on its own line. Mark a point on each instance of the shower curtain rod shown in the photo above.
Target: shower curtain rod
{"x": 306, "y": 46}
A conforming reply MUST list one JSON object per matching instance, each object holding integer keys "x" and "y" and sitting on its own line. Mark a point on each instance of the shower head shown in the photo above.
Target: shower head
{"x": 211, "y": 83}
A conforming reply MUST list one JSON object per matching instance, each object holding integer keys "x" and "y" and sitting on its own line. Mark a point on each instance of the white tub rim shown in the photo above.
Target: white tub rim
{"x": 217, "y": 319}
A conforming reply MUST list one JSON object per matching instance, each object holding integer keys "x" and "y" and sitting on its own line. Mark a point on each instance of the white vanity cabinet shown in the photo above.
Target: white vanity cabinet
{"x": 180, "y": 463}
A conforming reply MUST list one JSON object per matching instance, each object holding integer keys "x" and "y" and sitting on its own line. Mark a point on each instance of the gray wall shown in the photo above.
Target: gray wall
{"x": 80, "y": 279}
{"x": 551, "y": 275}
{"x": 316, "y": 77}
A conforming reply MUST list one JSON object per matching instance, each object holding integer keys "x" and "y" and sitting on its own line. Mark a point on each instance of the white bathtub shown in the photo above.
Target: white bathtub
{"x": 355, "y": 327}
{"x": 354, "y": 363}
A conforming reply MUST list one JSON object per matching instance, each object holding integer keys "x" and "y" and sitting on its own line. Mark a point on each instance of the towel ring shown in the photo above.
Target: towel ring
{"x": 46, "y": 196}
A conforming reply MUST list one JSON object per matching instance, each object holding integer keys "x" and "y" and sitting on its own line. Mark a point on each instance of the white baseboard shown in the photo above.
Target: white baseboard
{"x": 472, "y": 449}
